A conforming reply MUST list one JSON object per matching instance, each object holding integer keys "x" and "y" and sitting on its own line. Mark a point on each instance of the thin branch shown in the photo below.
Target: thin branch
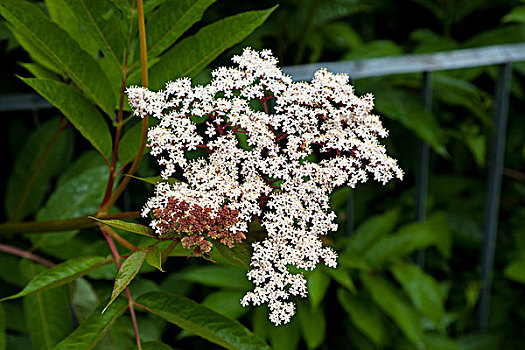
{"x": 117, "y": 257}
{"x": 123, "y": 242}
{"x": 514, "y": 174}
{"x": 24, "y": 254}
{"x": 62, "y": 225}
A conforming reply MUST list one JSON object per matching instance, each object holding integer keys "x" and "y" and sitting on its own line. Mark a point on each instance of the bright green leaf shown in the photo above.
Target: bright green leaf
{"x": 154, "y": 257}
{"x": 423, "y": 290}
{"x": 40, "y": 71}
{"x": 61, "y": 274}
{"x": 129, "y": 227}
{"x": 364, "y": 316}
{"x": 79, "y": 111}
{"x": 48, "y": 317}
{"x": 166, "y": 24}
{"x": 516, "y": 271}
{"x": 87, "y": 335}
{"x": 127, "y": 272}
{"x": 517, "y": 15}
{"x": 394, "y": 305}
{"x": 61, "y": 50}
{"x": 67, "y": 20}
{"x": 200, "y": 320}
{"x": 101, "y": 24}
{"x": 192, "y": 54}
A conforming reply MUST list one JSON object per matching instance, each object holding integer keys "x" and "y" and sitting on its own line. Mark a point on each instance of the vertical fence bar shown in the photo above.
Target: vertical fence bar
{"x": 495, "y": 168}
{"x": 422, "y": 171}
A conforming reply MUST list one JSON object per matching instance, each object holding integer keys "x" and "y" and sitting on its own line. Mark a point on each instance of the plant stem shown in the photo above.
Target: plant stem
{"x": 62, "y": 225}
{"x": 27, "y": 255}
{"x": 116, "y": 256}
{"x": 123, "y": 242}
{"x": 144, "y": 132}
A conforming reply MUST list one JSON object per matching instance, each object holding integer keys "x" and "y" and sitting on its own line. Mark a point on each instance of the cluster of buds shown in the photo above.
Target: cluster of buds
{"x": 197, "y": 224}
{"x": 274, "y": 151}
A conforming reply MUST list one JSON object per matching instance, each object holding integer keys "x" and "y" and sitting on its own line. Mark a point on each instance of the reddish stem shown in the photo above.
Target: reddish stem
{"x": 27, "y": 255}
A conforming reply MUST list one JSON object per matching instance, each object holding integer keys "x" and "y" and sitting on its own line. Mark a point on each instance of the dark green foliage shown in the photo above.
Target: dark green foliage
{"x": 76, "y": 52}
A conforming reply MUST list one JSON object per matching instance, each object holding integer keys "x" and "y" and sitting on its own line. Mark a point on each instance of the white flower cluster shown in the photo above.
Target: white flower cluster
{"x": 263, "y": 164}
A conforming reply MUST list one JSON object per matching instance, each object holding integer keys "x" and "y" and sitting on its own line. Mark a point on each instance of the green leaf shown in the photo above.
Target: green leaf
{"x": 48, "y": 317}
{"x": 2, "y": 328}
{"x": 375, "y": 48}
{"x": 513, "y": 33}
{"x": 226, "y": 302}
{"x": 200, "y": 320}
{"x": 36, "y": 163}
{"x": 394, "y": 305}
{"x": 80, "y": 195}
{"x": 517, "y": 15}
{"x": 127, "y": 272}
{"x": 227, "y": 276}
{"x": 155, "y": 345}
{"x": 94, "y": 17}
{"x": 411, "y": 237}
{"x": 286, "y": 336}
{"x": 40, "y": 71}
{"x": 364, "y": 315}
{"x": 192, "y": 54}
{"x": 423, "y": 290}
{"x": 61, "y": 50}
{"x": 154, "y": 180}
{"x": 154, "y": 257}
{"x": 33, "y": 50}
{"x": 342, "y": 277}
{"x": 129, "y": 145}
{"x": 166, "y": 24}
{"x": 128, "y": 226}
{"x": 459, "y": 92}
{"x": 87, "y": 335}
{"x": 66, "y": 19}
{"x": 78, "y": 110}
{"x": 313, "y": 325}
{"x": 515, "y": 271}
{"x": 373, "y": 229}
{"x": 317, "y": 283}
{"x": 240, "y": 254}
{"x": 408, "y": 110}
{"x": 61, "y": 274}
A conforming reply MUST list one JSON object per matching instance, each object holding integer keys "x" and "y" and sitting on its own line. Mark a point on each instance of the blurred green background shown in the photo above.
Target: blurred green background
{"x": 378, "y": 298}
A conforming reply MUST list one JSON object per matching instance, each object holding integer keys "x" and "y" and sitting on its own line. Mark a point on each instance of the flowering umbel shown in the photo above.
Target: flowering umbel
{"x": 276, "y": 168}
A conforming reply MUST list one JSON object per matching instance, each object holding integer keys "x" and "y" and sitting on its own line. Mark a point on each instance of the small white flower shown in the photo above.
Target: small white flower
{"x": 257, "y": 162}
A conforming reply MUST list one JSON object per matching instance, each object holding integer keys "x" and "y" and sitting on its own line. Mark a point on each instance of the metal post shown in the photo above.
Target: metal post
{"x": 422, "y": 172}
{"x": 495, "y": 168}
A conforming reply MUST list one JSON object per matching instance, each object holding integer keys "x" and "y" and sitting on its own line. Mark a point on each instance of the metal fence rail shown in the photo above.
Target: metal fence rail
{"x": 502, "y": 55}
